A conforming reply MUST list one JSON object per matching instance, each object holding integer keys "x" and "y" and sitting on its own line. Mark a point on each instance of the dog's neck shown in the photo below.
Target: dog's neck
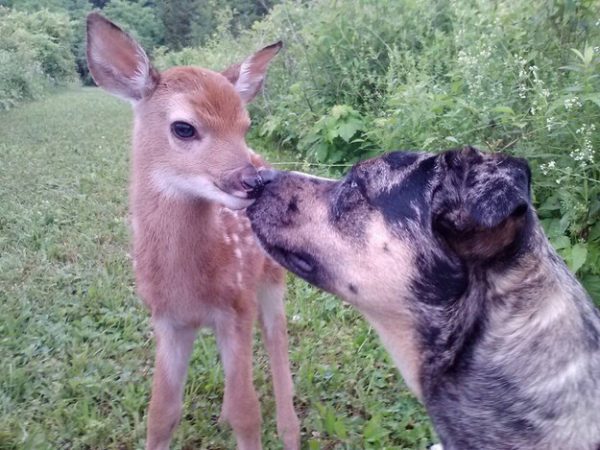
{"x": 507, "y": 294}
{"x": 522, "y": 332}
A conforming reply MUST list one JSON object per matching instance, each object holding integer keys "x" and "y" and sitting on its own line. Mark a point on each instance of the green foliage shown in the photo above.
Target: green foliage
{"x": 139, "y": 19}
{"x": 35, "y": 53}
{"x": 178, "y": 16}
{"x": 521, "y": 77}
{"x": 169, "y": 24}
{"x": 193, "y": 22}
{"x": 70, "y": 6}
{"x": 334, "y": 136}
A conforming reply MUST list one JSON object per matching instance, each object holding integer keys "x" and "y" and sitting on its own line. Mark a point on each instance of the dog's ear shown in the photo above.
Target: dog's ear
{"x": 482, "y": 202}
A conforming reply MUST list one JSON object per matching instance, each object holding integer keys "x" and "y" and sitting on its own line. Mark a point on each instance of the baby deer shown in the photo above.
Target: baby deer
{"x": 196, "y": 261}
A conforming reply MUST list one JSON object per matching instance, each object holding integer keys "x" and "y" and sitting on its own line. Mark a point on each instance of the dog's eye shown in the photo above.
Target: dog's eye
{"x": 347, "y": 197}
{"x": 183, "y": 130}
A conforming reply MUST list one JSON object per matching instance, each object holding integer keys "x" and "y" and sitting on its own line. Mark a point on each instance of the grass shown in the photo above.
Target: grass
{"x": 75, "y": 342}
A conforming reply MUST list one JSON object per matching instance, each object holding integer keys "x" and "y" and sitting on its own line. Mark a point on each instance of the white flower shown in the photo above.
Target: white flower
{"x": 522, "y": 90}
{"x": 571, "y": 103}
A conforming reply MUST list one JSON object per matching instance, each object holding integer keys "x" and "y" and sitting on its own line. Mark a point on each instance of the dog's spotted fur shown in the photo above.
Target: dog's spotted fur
{"x": 444, "y": 255}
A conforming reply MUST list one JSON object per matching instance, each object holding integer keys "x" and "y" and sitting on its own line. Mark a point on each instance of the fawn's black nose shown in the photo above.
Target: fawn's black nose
{"x": 251, "y": 181}
{"x": 268, "y": 175}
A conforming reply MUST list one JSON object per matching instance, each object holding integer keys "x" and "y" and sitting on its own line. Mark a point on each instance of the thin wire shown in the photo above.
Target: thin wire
{"x": 306, "y": 163}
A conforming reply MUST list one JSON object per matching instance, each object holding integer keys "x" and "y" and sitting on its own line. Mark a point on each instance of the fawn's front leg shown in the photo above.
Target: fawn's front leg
{"x": 274, "y": 329}
{"x": 240, "y": 403}
{"x": 174, "y": 345}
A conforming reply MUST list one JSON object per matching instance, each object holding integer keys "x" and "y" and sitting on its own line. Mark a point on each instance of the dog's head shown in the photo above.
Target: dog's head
{"x": 397, "y": 225}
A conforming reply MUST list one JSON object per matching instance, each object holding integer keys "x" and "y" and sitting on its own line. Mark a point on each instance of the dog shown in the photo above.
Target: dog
{"x": 444, "y": 255}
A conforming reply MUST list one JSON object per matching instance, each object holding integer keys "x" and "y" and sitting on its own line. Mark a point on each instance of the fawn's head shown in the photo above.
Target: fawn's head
{"x": 190, "y": 122}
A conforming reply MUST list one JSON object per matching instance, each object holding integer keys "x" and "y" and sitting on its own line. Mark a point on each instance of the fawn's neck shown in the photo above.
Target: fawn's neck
{"x": 180, "y": 218}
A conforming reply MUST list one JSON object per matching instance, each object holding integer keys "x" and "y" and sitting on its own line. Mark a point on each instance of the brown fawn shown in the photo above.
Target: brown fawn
{"x": 195, "y": 258}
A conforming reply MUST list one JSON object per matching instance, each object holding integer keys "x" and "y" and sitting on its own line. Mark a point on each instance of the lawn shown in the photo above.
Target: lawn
{"x": 76, "y": 348}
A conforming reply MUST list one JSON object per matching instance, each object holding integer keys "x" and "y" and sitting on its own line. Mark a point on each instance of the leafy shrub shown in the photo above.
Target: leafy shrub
{"x": 139, "y": 19}
{"x": 361, "y": 77}
{"x": 35, "y": 53}
{"x": 20, "y": 78}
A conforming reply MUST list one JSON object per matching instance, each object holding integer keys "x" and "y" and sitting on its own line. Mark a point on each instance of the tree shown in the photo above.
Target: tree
{"x": 177, "y": 18}
{"x": 139, "y": 19}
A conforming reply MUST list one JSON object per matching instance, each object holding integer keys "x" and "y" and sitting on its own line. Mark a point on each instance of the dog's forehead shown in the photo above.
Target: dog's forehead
{"x": 396, "y": 185}
{"x": 495, "y": 173}
{"x": 384, "y": 172}
{"x": 483, "y": 166}
{"x": 490, "y": 167}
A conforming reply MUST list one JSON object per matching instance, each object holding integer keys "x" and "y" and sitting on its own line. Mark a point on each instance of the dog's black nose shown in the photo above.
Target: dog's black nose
{"x": 268, "y": 175}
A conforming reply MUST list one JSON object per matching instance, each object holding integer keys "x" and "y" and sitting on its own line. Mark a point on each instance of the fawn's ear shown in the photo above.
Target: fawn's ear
{"x": 483, "y": 200}
{"x": 117, "y": 62}
{"x": 248, "y": 76}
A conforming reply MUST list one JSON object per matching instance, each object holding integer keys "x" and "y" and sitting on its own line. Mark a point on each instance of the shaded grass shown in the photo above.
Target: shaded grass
{"x": 76, "y": 348}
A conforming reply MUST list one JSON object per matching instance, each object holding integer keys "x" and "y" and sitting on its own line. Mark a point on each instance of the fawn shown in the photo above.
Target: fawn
{"x": 195, "y": 258}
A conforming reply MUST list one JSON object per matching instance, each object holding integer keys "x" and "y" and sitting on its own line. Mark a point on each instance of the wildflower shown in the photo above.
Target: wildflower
{"x": 522, "y": 90}
{"x": 547, "y": 167}
{"x": 571, "y": 103}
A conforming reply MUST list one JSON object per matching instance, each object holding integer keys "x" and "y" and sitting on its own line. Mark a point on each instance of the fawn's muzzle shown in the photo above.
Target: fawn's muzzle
{"x": 250, "y": 181}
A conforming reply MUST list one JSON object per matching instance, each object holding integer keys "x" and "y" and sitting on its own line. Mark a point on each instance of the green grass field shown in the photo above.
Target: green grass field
{"x": 76, "y": 348}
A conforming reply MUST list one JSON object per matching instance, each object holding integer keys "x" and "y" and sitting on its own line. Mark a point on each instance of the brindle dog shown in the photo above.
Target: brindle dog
{"x": 444, "y": 255}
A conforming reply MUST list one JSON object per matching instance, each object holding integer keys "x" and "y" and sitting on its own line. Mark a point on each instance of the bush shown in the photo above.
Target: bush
{"x": 138, "y": 19}
{"x": 35, "y": 53}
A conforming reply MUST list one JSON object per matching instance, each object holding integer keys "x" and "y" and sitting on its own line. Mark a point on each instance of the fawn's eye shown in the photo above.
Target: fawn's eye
{"x": 183, "y": 130}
